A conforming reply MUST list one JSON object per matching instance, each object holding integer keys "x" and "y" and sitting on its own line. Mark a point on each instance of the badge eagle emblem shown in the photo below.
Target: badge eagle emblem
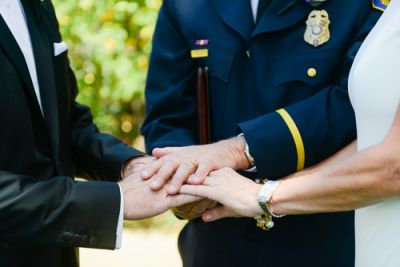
{"x": 317, "y": 31}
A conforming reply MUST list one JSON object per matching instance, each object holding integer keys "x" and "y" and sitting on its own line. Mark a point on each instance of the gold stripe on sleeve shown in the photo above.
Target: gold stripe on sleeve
{"x": 298, "y": 141}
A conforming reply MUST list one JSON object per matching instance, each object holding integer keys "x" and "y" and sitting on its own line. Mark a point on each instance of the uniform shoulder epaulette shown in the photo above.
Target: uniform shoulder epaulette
{"x": 380, "y": 4}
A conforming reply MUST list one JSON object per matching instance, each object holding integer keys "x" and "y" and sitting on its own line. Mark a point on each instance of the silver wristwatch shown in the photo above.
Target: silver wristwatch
{"x": 265, "y": 221}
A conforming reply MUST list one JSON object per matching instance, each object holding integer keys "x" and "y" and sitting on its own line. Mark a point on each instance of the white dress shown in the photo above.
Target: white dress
{"x": 374, "y": 88}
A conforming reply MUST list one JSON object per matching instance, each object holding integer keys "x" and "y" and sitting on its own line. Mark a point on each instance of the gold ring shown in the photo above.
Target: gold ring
{"x": 195, "y": 163}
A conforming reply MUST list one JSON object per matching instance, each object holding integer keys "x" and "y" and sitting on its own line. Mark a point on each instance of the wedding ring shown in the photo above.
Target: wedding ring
{"x": 195, "y": 163}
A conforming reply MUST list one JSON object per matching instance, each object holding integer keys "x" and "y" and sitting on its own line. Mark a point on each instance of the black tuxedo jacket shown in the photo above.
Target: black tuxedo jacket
{"x": 44, "y": 213}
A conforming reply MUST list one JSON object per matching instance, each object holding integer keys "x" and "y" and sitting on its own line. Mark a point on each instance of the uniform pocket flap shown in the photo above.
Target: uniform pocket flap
{"x": 314, "y": 68}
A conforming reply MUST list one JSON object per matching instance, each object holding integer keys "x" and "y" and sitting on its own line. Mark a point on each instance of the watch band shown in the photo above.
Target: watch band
{"x": 265, "y": 221}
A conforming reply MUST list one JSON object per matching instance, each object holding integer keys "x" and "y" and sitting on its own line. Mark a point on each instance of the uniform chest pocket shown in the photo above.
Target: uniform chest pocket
{"x": 314, "y": 68}
{"x": 219, "y": 62}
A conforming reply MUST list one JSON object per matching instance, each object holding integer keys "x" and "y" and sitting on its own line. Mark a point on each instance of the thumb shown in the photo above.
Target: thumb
{"x": 218, "y": 213}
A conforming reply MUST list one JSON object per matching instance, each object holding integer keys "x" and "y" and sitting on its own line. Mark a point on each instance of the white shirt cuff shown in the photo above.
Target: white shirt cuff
{"x": 252, "y": 169}
{"x": 120, "y": 224}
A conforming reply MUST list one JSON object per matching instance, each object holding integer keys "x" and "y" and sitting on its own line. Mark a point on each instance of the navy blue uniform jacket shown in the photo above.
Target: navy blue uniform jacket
{"x": 256, "y": 70}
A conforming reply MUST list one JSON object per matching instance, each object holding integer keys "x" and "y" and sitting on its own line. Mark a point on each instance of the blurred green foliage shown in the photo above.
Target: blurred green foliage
{"x": 109, "y": 46}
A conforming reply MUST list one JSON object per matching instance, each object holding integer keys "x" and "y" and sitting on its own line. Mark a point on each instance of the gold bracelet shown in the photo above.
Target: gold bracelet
{"x": 264, "y": 221}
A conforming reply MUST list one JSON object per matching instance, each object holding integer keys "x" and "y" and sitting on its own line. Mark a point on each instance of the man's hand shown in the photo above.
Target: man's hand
{"x": 141, "y": 202}
{"x": 137, "y": 164}
{"x": 194, "y": 162}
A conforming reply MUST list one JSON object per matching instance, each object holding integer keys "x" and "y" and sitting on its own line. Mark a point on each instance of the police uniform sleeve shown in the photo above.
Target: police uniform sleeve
{"x": 170, "y": 74}
{"x": 306, "y": 132}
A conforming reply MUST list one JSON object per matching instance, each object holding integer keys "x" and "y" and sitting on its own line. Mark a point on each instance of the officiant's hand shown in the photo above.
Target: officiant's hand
{"x": 193, "y": 163}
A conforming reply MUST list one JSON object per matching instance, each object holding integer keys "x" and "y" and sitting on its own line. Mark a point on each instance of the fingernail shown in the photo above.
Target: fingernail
{"x": 145, "y": 173}
{"x": 207, "y": 217}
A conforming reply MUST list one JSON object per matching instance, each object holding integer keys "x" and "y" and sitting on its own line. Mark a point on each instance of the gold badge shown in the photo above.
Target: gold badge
{"x": 317, "y": 31}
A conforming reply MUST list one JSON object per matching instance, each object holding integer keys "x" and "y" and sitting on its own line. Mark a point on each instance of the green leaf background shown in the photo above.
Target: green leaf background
{"x": 109, "y": 46}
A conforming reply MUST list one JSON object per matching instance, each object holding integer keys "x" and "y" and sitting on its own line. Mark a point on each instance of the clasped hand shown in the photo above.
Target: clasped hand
{"x": 195, "y": 181}
{"x": 190, "y": 166}
{"x": 139, "y": 200}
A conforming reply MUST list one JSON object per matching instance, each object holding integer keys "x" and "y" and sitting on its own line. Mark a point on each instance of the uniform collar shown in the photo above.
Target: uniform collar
{"x": 282, "y": 14}
{"x": 236, "y": 14}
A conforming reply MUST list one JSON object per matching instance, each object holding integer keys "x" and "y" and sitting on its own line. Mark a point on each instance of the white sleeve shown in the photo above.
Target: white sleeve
{"x": 120, "y": 224}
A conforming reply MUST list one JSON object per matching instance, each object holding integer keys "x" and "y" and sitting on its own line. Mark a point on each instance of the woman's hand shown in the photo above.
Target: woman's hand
{"x": 236, "y": 193}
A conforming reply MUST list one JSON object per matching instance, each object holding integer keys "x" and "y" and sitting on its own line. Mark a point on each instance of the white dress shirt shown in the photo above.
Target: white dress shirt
{"x": 254, "y": 6}
{"x": 14, "y": 16}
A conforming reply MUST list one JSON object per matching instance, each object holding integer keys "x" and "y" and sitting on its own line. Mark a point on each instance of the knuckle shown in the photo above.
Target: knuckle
{"x": 207, "y": 162}
{"x": 219, "y": 212}
{"x": 169, "y": 161}
{"x": 205, "y": 170}
{"x": 187, "y": 165}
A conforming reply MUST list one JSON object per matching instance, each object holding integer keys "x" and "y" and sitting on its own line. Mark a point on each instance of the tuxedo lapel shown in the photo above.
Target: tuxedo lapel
{"x": 282, "y": 14}
{"x": 11, "y": 48}
{"x": 43, "y": 52}
{"x": 236, "y": 14}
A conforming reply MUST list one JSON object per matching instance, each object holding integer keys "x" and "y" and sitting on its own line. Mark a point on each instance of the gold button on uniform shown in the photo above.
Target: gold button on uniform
{"x": 311, "y": 72}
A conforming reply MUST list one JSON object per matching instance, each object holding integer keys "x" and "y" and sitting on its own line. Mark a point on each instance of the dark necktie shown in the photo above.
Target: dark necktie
{"x": 262, "y": 6}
